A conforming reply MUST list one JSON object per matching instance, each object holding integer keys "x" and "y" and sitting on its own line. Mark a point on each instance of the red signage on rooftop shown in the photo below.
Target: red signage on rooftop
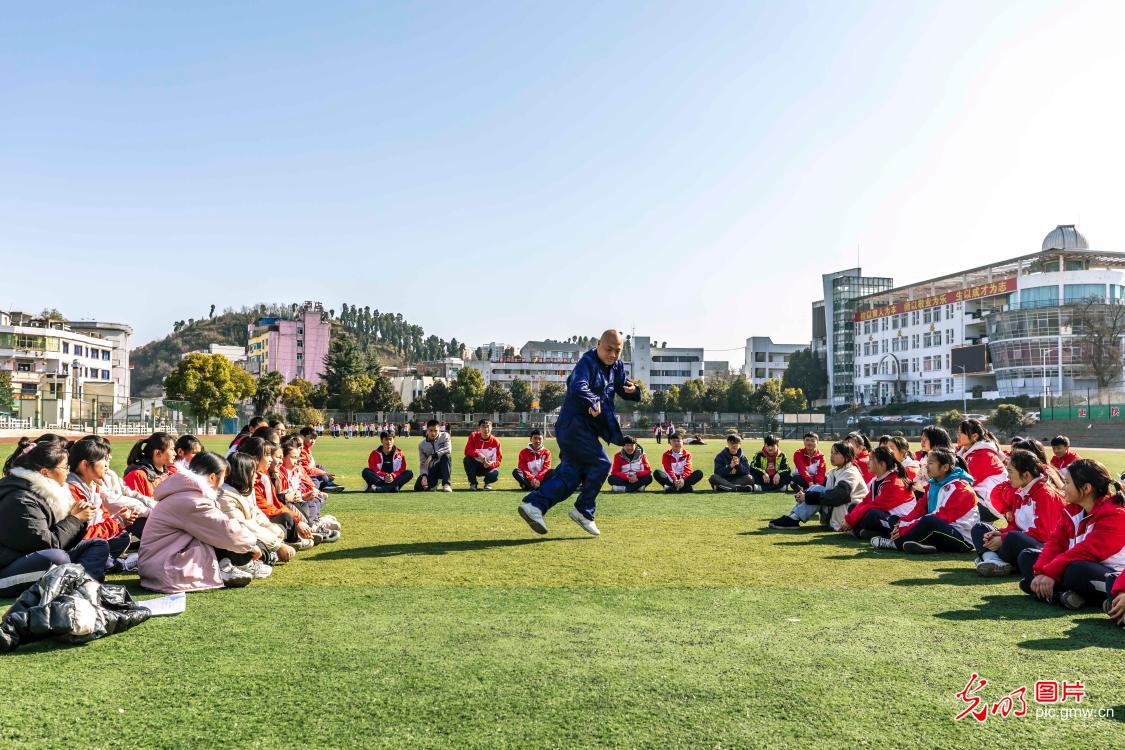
{"x": 980, "y": 291}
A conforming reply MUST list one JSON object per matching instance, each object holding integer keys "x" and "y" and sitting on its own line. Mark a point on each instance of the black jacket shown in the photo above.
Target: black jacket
{"x": 34, "y": 516}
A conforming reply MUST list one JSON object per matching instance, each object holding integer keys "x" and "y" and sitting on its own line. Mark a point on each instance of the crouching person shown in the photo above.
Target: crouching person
{"x": 630, "y": 471}
{"x": 534, "y": 463}
{"x": 843, "y": 486}
{"x": 386, "y": 467}
{"x": 189, "y": 544}
{"x": 434, "y": 459}
{"x": 732, "y": 470}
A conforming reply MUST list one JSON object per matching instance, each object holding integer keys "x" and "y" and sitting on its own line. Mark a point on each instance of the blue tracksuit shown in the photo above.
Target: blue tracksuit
{"x": 584, "y": 462}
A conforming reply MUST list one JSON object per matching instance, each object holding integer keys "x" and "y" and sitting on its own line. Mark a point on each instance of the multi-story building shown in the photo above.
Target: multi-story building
{"x": 1004, "y": 329}
{"x": 766, "y": 360}
{"x": 551, "y": 350}
{"x": 841, "y": 289}
{"x": 235, "y": 354}
{"x": 64, "y": 372}
{"x": 663, "y": 367}
{"x": 295, "y": 347}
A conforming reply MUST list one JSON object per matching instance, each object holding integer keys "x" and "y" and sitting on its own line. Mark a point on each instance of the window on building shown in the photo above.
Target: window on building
{"x": 23, "y": 367}
{"x": 1073, "y": 293}
{"x": 1039, "y": 296}
{"x": 300, "y": 356}
{"x": 947, "y": 361}
{"x": 105, "y": 374}
{"x": 66, "y": 347}
{"x": 915, "y": 318}
{"x": 105, "y": 354}
{"x": 949, "y": 335}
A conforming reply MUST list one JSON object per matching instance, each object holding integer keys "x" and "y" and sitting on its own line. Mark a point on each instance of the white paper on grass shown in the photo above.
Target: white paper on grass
{"x": 173, "y": 604}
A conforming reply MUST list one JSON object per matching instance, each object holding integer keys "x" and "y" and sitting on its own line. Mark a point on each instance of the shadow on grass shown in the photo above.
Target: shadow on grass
{"x": 1016, "y": 606}
{"x": 963, "y": 576}
{"x": 433, "y": 548}
{"x": 1093, "y": 631}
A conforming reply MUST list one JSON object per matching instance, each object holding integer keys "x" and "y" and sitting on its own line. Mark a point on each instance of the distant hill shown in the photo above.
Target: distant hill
{"x": 389, "y": 338}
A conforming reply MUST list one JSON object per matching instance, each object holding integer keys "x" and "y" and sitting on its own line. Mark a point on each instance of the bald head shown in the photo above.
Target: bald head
{"x": 609, "y": 346}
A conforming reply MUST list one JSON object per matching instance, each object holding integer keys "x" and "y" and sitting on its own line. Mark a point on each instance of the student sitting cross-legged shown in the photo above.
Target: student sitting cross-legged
{"x": 534, "y": 463}
{"x": 889, "y": 499}
{"x": 1032, "y": 507}
{"x": 630, "y": 471}
{"x": 809, "y": 464}
{"x": 732, "y": 470}
{"x": 1087, "y": 548}
{"x": 677, "y": 476}
{"x": 770, "y": 468}
{"x": 386, "y": 467}
{"x": 944, "y": 517}
{"x": 843, "y": 486}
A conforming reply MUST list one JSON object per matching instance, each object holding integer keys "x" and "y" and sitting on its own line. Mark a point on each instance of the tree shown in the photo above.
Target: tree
{"x": 305, "y": 416}
{"x": 950, "y": 420}
{"x": 551, "y": 396}
{"x": 212, "y": 313}
{"x": 318, "y": 396}
{"x": 807, "y": 373}
{"x": 438, "y": 398}
{"x": 1007, "y": 418}
{"x": 767, "y": 400}
{"x": 51, "y": 314}
{"x": 268, "y": 391}
{"x": 496, "y": 398}
{"x": 210, "y": 384}
{"x": 740, "y": 396}
{"x": 1100, "y": 327}
{"x": 691, "y": 395}
{"x": 714, "y": 396}
{"x": 356, "y": 391}
{"x": 522, "y": 395}
{"x": 344, "y": 360}
{"x": 383, "y": 396}
{"x": 304, "y": 386}
{"x": 467, "y": 390}
{"x": 793, "y": 401}
{"x": 293, "y": 398}
{"x": 6, "y": 394}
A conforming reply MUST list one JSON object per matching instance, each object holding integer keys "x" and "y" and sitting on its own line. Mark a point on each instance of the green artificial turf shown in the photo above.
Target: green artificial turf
{"x": 440, "y": 620}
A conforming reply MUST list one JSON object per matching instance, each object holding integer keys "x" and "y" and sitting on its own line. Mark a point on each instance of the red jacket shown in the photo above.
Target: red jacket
{"x": 296, "y": 478}
{"x": 1065, "y": 460}
{"x": 102, "y": 525}
{"x": 398, "y": 463}
{"x": 677, "y": 468}
{"x": 491, "y": 447}
{"x": 985, "y": 465}
{"x": 138, "y": 481}
{"x": 535, "y": 464}
{"x": 308, "y": 463}
{"x": 267, "y": 499}
{"x": 1097, "y": 536}
{"x": 1035, "y": 509}
{"x": 1118, "y": 586}
{"x": 956, "y": 504}
{"x": 860, "y": 461}
{"x": 811, "y": 469}
{"x": 623, "y": 464}
{"x": 890, "y": 493}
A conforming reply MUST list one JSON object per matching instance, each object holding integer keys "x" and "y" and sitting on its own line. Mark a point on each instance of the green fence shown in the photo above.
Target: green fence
{"x": 1083, "y": 411}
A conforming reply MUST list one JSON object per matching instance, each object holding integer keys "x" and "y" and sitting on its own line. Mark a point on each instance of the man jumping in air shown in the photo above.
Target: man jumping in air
{"x": 587, "y": 414}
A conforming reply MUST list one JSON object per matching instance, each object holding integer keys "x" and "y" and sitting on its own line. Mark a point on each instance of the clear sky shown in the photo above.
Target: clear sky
{"x": 505, "y": 171}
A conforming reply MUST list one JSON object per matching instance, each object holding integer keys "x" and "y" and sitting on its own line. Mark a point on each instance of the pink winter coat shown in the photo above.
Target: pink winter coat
{"x": 177, "y": 548}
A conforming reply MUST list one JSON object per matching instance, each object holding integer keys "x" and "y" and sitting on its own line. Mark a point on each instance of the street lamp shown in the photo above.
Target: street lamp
{"x": 1043, "y": 359}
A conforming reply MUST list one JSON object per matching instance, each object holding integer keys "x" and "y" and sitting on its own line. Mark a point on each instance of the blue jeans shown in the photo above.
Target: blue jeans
{"x": 584, "y": 463}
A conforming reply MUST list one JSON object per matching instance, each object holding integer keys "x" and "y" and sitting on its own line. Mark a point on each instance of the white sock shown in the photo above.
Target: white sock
{"x": 992, "y": 557}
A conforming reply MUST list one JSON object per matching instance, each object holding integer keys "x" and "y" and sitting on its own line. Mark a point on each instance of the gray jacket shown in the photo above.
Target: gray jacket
{"x": 427, "y": 449}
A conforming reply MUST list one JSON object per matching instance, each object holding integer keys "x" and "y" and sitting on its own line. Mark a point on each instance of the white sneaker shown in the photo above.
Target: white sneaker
{"x": 447, "y": 488}
{"x": 488, "y": 486}
{"x": 587, "y": 524}
{"x": 129, "y": 564}
{"x": 233, "y": 577}
{"x": 991, "y": 564}
{"x": 757, "y": 488}
{"x": 617, "y": 488}
{"x": 534, "y": 517}
{"x": 329, "y": 522}
{"x": 882, "y": 542}
{"x": 258, "y": 569}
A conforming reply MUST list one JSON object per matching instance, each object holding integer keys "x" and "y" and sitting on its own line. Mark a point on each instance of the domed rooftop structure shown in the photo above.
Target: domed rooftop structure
{"x": 1065, "y": 237}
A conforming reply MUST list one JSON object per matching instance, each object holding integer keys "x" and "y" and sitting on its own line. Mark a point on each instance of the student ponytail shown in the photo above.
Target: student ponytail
{"x": 970, "y": 427}
{"x": 1087, "y": 471}
{"x": 26, "y": 445}
{"x": 144, "y": 448}
{"x": 883, "y": 455}
{"x": 1026, "y": 462}
{"x": 208, "y": 462}
{"x": 188, "y": 444}
{"x": 946, "y": 457}
{"x": 860, "y": 439}
{"x": 34, "y": 455}
{"x": 936, "y": 436}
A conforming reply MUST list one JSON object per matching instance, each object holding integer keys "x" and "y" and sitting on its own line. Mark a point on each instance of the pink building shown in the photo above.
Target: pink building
{"x": 294, "y": 347}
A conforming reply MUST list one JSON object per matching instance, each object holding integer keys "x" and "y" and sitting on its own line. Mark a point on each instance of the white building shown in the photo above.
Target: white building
{"x": 766, "y": 360}
{"x": 235, "y": 354}
{"x": 999, "y": 330}
{"x": 65, "y": 372}
{"x": 663, "y": 367}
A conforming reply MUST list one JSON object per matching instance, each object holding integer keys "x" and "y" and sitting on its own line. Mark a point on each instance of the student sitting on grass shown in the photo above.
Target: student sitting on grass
{"x": 534, "y": 465}
{"x": 984, "y": 461}
{"x": 435, "y": 459}
{"x": 900, "y": 448}
{"x": 245, "y": 432}
{"x": 187, "y": 447}
{"x": 483, "y": 455}
{"x": 889, "y": 498}
{"x": 842, "y": 486}
{"x": 933, "y": 436}
{"x": 41, "y": 525}
{"x": 942, "y": 519}
{"x": 1031, "y": 506}
{"x": 770, "y": 468}
{"x": 236, "y": 501}
{"x": 89, "y": 459}
{"x": 148, "y": 462}
{"x": 1085, "y": 548}
{"x": 1063, "y": 455}
{"x": 862, "y": 447}
{"x": 630, "y": 471}
{"x": 732, "y": 470}
{"x": 189, "y": 544}
{"x": 321, "y": 478}
{"x": 297, "y": 532}
{"x": 298, "y": 491}
{"x": 809, "y": 463}
{"x": 678, "y": 475}
{"x": 386, "y": 467}
{"x": 118, "y": 497}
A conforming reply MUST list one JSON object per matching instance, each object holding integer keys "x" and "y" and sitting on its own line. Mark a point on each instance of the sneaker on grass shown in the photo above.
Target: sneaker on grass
{"x": 917, "y": 548}
{"x": 1071, "y": 600}
{"x": 258, "y": 569}
{"x": 232, "y": 576}
{"x": 785, "y": 522}
{"x": 992, "y": 565}
{"x": 587, "y": 524}
{"x": 882, "y": 542}
{"x": 447, "y": 487}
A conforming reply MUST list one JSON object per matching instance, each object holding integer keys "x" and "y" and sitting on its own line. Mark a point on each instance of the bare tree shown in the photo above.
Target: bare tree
{"x": 1099, "y": 328}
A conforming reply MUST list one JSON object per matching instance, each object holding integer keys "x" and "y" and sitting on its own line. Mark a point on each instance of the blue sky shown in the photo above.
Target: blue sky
{"x": 505, "y": 171}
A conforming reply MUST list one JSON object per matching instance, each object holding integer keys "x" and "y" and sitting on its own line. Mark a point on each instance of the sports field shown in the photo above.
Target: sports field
{"x": 440, "y": 620}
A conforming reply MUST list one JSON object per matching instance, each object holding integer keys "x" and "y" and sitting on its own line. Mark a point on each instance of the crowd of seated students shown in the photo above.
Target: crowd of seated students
{"x": 183, "y": 518}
